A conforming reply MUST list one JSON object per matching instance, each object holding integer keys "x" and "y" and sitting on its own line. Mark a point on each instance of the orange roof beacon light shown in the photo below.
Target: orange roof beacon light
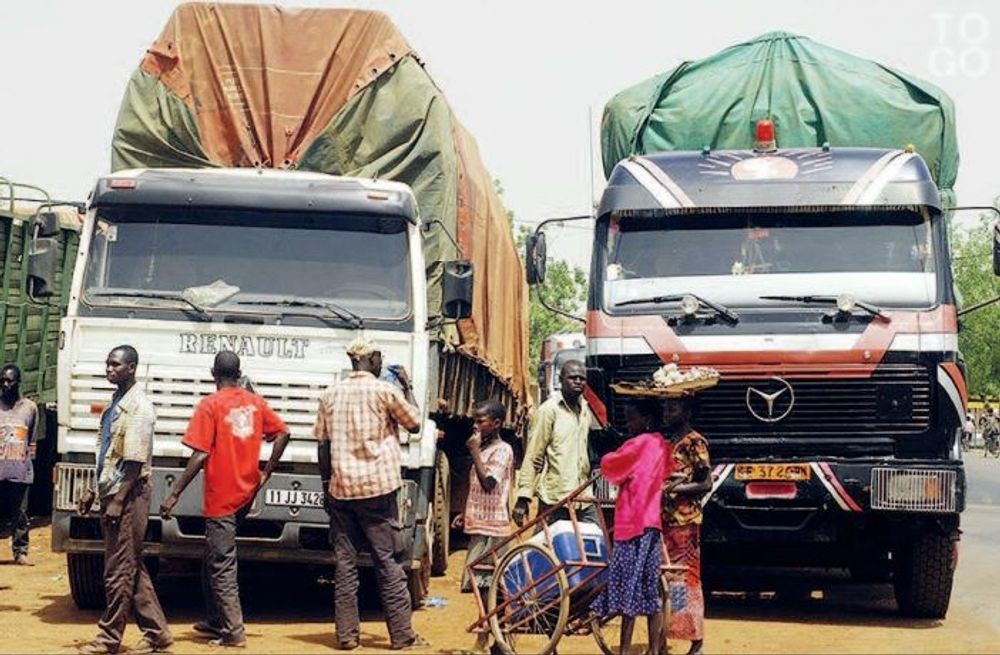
{"x": 765, "y": 141}
{"x": 122, "y": 183}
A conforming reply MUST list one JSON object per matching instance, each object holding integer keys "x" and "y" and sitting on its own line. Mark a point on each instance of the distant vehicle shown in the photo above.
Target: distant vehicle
{"x": 556, "y": 351}
{"x": 29, "y": 325}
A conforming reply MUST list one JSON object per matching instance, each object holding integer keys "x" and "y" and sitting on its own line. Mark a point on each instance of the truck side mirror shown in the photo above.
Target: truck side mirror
{"x": 534, "y": 258}
{"x": 43, "y": 266}
{"x": 996, "y": 249}
{"x": 456, "y": 301}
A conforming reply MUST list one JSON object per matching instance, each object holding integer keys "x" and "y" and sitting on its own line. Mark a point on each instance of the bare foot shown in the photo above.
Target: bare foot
{"x": 22, "y": 560}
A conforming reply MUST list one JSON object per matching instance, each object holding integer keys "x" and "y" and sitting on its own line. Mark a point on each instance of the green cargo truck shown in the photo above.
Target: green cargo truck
{"x": 29, "y": 329}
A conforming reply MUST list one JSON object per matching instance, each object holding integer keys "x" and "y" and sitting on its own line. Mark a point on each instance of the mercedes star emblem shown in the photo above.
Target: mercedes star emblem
{"x": 772, "y": 401}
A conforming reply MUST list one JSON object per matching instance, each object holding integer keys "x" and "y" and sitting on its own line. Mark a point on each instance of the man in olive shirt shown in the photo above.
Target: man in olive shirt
{"x": 557, "y": 449}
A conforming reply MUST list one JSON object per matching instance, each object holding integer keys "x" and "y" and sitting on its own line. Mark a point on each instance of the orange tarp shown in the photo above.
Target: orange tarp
{"x": 265, "y": 81}
{"x": 336, "y": 91}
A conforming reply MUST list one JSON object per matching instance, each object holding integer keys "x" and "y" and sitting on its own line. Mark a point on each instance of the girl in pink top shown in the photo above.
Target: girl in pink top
{"x": 640, "y": 468}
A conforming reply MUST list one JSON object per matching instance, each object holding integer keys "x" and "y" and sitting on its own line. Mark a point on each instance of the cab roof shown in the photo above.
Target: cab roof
{"x": 793, "y": 178}
{"x": 248, "y": 188}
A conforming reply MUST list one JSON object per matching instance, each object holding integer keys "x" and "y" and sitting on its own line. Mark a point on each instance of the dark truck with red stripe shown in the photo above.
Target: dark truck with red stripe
{"x": 818, "y": 282}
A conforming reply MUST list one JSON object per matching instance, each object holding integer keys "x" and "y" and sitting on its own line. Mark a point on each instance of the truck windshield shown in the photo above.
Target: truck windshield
{"x": 144, "y": 257}
{"x": 887, "y": 258}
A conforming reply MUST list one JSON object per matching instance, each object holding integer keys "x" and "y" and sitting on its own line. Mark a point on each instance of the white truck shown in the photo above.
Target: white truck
{"x": 282, "y": 268}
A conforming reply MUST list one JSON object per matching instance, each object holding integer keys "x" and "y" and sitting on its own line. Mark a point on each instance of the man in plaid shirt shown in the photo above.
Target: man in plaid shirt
{"x": 357, "y": 426}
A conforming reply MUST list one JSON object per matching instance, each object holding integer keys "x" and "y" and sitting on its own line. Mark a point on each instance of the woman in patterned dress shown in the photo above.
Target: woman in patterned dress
{"x": 640, "y": 467}
{"x": 682, "y": 516}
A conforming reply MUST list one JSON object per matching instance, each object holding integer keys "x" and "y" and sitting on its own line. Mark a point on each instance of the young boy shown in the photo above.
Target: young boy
{"x": 487, "y": 511}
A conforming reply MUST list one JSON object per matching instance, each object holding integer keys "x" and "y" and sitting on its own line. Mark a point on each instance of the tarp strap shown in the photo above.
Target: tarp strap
{"x": 652, "y": 178}
{"x": 875, "y": 178}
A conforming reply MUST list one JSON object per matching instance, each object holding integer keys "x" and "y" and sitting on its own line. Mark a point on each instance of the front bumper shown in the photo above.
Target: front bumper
{"x": 269, "y": 533}
{"x": 839, "y": 500}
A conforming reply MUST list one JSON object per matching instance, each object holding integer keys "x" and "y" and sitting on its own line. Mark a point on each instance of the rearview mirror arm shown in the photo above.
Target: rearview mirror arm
{"x": 565, "y": 219}
{"x": 444, "y": 228}
{"x": 556, "y": 310}
{"x": 979, "y": 305}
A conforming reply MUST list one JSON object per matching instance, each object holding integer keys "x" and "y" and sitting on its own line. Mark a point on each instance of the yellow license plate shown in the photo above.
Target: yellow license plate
{"x": 791, "y": 472}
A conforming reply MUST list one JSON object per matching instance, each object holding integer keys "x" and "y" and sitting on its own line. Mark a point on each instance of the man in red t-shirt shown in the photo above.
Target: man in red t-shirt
{"x": 225, "y": 433}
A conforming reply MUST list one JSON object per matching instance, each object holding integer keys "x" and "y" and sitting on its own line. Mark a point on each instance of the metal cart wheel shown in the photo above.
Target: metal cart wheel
{"x": 607, "y": 632}
{"x": 528, "y": 603}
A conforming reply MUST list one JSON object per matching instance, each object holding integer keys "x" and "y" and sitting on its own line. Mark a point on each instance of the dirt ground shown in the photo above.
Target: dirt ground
{"x": 290, "y": 611}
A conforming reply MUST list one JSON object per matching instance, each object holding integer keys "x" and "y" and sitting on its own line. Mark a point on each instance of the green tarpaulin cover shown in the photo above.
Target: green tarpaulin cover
{"x": 814, "y": 94}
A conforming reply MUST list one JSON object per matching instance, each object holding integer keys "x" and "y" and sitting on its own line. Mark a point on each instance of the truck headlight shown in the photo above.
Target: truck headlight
{"x": 914, "y": 490}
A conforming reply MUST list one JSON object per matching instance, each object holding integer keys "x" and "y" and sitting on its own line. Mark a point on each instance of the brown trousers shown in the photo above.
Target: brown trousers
{"x": 127, "y": 586}
{"x": 375, "y": 520}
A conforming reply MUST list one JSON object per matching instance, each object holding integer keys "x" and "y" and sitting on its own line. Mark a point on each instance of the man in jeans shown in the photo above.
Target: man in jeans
{"x": 124, "y": 460}
{"x": 359, "y": 461}
{"x": 225, "y": 433}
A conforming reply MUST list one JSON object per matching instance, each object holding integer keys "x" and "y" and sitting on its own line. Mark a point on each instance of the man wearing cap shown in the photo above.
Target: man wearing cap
{"x": 357, "y": 427}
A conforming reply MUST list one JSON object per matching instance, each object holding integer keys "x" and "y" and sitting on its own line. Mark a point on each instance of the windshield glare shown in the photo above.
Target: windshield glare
{"x": 359, "y": 262}
{"x": 885, "y": 257}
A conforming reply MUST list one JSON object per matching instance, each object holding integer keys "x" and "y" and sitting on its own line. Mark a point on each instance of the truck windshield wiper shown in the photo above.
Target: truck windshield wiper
{"x": 342, "y": 313}
{"x": 839, "y": 301}
{"x": 723, "y": 311}
{"x": 159, "y": 295}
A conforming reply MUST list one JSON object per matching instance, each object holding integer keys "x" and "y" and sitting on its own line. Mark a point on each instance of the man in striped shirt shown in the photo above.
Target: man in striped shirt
{"x": 357, "y": 427}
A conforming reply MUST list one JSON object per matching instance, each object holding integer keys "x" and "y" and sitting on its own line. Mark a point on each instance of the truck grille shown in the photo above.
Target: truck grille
{"x": 71, "y": 482}
{"x": 894, "y": 400}
{"x": 175, "y": 398}
{"x": 909, "y": 490}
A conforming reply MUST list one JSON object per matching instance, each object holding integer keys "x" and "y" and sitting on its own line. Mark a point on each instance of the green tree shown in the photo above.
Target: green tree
{"x": 973, "y": 269}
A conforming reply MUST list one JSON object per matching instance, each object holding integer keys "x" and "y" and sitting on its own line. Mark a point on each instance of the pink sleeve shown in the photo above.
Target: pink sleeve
{"x": 617, "y": 466}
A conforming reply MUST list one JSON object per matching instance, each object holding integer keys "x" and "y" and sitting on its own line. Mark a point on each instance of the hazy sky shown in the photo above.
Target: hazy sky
{"x": 526, "y": 78}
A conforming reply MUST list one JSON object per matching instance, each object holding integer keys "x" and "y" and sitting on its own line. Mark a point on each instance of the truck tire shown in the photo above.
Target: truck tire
{"x": 441, "y": 521}
{"x": 923, "y": 576}
{"x": 86, "y": 580}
